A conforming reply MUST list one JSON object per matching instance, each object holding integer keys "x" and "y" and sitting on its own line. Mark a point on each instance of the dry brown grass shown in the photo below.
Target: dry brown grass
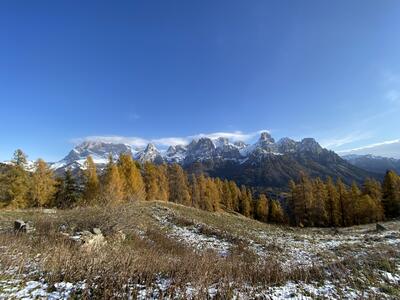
{"x": 110, "y": 270}
{"x": 136, "y": 260}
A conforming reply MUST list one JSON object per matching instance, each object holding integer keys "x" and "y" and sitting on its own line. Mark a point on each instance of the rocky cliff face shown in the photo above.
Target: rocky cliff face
{"x": 263, "y": 163}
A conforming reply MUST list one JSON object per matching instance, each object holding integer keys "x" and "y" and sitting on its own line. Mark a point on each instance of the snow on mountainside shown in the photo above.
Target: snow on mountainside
{"x": 99, "y": 151}
{"x": 175, "y": 154}
{"x": 150, "y": 153}
{"x": 30, "y": 165}
{"x": 198, "y": 150}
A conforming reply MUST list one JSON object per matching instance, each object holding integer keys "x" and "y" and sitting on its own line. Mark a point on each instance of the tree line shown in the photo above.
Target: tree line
{"x": 310, "y": 202}
{"x": 125, "y": 180}
{"x": 314, "y": 202}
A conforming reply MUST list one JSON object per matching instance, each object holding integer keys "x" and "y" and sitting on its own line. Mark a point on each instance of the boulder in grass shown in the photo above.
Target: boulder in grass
{"x": 380, "y": 227}
{"x": 20, "y": 226}
{"x": 86, "y": 239}
{"x": 96, "y": 231}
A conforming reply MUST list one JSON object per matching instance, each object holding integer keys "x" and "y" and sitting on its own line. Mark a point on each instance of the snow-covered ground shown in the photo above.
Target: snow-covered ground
{"x": 19, "y": 289}
{"x": 191, "y": 236}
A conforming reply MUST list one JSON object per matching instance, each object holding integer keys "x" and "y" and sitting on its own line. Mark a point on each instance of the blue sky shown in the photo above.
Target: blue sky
{"x": 173, "y": 69}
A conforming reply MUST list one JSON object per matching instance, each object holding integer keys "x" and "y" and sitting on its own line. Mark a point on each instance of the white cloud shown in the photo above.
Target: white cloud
{"x": 233, "y": 136}
{"x": 386, "y": 148}
{"x": 336, "y": 142}
{"x": 134, "y": 141}
{"x": 170, "y": 141}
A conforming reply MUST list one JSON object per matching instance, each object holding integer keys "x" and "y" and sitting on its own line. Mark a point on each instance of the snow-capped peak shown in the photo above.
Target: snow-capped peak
{"x": 265, "y": 137}
{"x": 99, "y": 151}
{"x": 175, "y": 154}
{"x": 201, "y": 149}
{"x": 150, "y": 153}
{"x": 221, "y": 142}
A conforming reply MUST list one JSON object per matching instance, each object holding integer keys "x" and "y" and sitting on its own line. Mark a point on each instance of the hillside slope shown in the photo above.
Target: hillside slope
{"x": 155, "y": 250}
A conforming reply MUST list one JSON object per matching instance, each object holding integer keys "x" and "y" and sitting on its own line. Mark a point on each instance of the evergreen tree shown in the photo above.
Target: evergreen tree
{"x": 342, "y": 200}
{"x": 368, "y": 210}
{"x": 372, "y": 188}
{"x": 320, "y": 196}
{"x": 292, "y": 202}
{"x": 206, "y": 196}
{"x": 113, "y": 185}
{"x": 178, "y": 185}
{"x": 132, "y": 182}
{"x": 219, "y": 189}
{"x": 163, "y": 191}
{"x": 19, "y": 158}
{"x": 17, "y": 182}
{"x": 195, "y": 191}
{"x": 91, "y": 192}
{"x": 67, "y": 191}
{"x": 391, "y": 194}
{"x": 226, "y": 196}
{"x": 332, "y": 203}
{"x": 235, "y": 195}
{"x": 156, "y": 182}
{"x": 43, "y": 185}
{"x": 4, "y": 201}
{"x": 251, "y": 202}
{"x": 262, "y": 208}
{"x": 353, "y": 201}
{"x": 245, "y": 201}
{"x": 276, "y": 214}
{"x": 151, "y": 181}
{"x": 302, "y": 201}
{"x": 214, "y": 193}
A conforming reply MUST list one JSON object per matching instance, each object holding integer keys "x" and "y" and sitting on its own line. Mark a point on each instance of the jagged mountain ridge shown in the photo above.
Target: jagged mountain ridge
{"x": 372, "y": 163}
{"x": 266, "y": 163}
{"x": 99, "y": 151}
{"x": 202, "y": 149}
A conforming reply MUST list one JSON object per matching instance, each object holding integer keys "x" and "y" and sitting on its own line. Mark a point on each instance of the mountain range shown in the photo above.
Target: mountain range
{"x": 372, "y": 163}
{"x": 265, "y": 163}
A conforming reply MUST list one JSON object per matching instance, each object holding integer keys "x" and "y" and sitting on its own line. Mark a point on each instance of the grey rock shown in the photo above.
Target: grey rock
{"x": 20, "y": 226}
{"x": 391, "y": 236}
{"x": 96, "y": 230}
{"x": 85, "y": 233}
{"x": 380, "y": 227}
{"x": 87, "y": 240}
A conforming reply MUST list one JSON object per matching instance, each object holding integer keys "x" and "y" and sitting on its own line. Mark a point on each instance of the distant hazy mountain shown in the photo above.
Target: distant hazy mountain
{"x": 383, "y": 149}
{"x": 266, "y": 163}
{"x": 371, "y": 163}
